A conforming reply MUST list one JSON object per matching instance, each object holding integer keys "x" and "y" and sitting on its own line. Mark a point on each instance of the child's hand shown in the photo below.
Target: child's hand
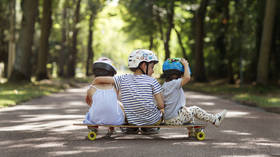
{"x": 162, "y": 111}
{"x": 184, "y": 62}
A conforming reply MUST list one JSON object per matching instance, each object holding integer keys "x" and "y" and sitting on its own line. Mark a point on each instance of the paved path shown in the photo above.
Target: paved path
{"x": 43, "y": 127}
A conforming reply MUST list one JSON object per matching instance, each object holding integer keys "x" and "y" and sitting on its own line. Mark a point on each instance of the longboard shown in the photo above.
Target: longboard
{"x": 195, "y": 130}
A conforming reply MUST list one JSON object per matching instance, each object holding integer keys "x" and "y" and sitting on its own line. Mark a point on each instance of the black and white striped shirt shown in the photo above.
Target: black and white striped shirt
{"x": 137, "y": 95}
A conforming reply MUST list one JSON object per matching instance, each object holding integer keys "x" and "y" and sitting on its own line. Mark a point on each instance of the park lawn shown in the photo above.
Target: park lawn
{"x": 252, "y": 95}
{"x": 12, "y": 94}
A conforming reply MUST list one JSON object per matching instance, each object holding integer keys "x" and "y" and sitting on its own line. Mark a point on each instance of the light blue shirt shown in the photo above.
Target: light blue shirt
{"x": 105, "y": 109}
{"x": 174, "y": 98}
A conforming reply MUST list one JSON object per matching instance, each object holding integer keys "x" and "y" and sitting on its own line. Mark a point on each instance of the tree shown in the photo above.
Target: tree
{"x": 181, "y": 43}
{"x": 46, "y": 24}
{"x": 4, "y": 27}
{"x": 140, "y": 18}
{"x": 63, "y": 51}
{"x": 262, "y": 72}
{"x": 12, "y": 40}
{"x": 94, "y": 7}
{"x": 199, "y": 71}
{"x": 170, "y": 25}
{"x": 22, "y": 67}
{"x": 73, "y": 49}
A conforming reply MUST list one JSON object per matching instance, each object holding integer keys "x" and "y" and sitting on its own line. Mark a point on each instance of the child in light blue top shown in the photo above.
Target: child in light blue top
{"x": 105, "y": 108}
{"x": 177, "y": 74}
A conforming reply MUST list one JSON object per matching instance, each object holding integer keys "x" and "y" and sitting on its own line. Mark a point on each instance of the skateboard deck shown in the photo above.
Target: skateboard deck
{"x": 195, "y": 130}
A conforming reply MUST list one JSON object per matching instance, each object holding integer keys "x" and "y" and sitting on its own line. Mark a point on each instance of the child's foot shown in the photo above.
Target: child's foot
{"x": 149, "y": 131}
{"x": 110, "y": 132}
{"x": 94, "y": 129}
{"x": 130, "y": 130}
{"x": 219, "y": 118}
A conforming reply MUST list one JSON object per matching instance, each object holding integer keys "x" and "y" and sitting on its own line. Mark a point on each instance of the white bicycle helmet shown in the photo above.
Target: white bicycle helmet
{"x": 141, "y": 55}
{"x": 104, "y": 64}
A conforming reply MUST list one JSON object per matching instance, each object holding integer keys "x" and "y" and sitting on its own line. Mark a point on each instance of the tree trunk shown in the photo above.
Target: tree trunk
{"x": 46, "y": 25}
{"x": 199, "y": 71}
{"x": 73, "y": 52}
{"x": 22, "y": 67}
{"x": 254, "y": 63}
{"x": 12, "y": 40}
{"x": 90, "y": 51}
{"x": 151, "y": 43}
{"x": 159, "y": 21}
{"x": 170, "y": 17}
{"x": 230, "y": 75}
{"x": 62, "y": 59}
{"x": 262, "y": 72}
{"x": 181, "y": 44}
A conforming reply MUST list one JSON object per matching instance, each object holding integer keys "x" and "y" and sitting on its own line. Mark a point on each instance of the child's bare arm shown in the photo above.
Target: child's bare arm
{"x": 90, "y": 92}
{"x": 159, "y": 100}
{"x": 103, "y": 80}
{"x": 186, "y": 77}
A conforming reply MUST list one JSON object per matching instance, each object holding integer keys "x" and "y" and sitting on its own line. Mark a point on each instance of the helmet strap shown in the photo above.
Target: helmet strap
{"x": 147, "y": 64}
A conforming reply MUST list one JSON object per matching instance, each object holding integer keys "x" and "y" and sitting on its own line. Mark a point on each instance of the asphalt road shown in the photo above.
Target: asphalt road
{"x": 43, "y": 127}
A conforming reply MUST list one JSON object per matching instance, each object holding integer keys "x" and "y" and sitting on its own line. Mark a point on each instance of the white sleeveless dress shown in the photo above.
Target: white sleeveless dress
{"x": 105, "y": 108}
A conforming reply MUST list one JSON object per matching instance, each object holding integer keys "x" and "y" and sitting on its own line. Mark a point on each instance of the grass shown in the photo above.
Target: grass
{"x": 12, "y": 94}
{"x": 268, "y": 96}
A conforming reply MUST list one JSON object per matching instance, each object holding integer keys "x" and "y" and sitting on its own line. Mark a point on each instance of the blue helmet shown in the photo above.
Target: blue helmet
{"x": 172, "y": 64}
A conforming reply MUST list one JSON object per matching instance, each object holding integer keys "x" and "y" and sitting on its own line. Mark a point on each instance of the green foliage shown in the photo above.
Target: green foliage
{"x": 268, "y": 96}
{"x": 232, "y": 33}
{"x": 11, "y": 94}
{"x": 139, "y": 17}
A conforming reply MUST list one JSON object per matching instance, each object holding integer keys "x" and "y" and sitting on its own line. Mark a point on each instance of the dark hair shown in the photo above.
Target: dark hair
{"x": 172, "y": 74}
{"x": 103, "y": 69}
{"x": 134, "y": 69}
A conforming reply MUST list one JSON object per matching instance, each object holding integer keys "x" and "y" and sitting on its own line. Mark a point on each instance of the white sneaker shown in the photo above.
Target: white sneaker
{"x": 219, "y": 118}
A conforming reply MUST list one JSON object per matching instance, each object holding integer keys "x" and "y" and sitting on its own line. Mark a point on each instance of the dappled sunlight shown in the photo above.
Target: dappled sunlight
{"x": 75, "y": 103}
{"x": 263, "y": 142}
{"x": 27, "y": 107}
{"x": 269, "y": 144}
{"x": 253, "y": 155}
{"x": 53, "y": 122}
{"x": 62, "y": 153}
{"x": 234, "y": 114}
{"x": 207, "y": 103}
{"x": 201, "y": 97}
{"x": 56, "y": 125}
{"x": 232, "y": 145}
{"x": 46, "y": 125}
{"x": 190, "y": 143}
{"x": 49, "y": 144}
{"x": 174, "y": 136}
{"x": 83, "y": 150}
{"x": 19, "y": 145}
{"x": 233, "y": 132}
{"x": 76, "y": 90}
{"x": 44, "y": 117}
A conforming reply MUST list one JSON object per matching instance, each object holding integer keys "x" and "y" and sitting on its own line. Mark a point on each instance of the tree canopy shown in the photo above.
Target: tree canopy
{"x": 231, "y": 39}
